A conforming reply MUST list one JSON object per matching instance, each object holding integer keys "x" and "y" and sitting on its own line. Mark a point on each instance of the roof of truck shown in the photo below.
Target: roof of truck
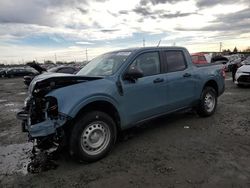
{"x": 149, "y": 48}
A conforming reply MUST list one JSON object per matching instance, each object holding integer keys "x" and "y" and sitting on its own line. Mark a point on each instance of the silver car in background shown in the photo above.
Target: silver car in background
{"x": 242, "y": 76}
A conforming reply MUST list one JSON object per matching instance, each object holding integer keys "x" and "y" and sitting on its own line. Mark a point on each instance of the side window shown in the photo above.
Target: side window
{"x": 175, "y": 61}
{"x": 148, "y": 63}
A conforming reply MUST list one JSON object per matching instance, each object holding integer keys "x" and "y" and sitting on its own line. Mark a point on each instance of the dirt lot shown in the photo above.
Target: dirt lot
{"x": 181, "y": 150}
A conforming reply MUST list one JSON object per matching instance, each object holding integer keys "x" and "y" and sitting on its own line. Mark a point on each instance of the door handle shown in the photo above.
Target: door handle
{"x": 158, "y": 80}
{"x": 186, "y": 75}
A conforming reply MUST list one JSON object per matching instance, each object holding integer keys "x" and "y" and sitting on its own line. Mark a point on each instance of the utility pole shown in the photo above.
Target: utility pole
{"x": 55, "y": 58}
{"x": 143, "y": 42}
{"x": 86, "y": 54}
{"x": 220, "y": 46}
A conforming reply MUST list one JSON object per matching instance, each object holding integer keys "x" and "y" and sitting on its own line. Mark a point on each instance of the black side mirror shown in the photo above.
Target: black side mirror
{"x": 133, "y": 74}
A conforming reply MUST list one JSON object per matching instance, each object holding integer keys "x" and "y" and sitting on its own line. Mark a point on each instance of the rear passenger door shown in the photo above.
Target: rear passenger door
{"x": 180, "y": 81}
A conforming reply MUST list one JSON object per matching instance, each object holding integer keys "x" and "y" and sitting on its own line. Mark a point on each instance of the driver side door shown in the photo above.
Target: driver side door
{"x": 144, "y": 97}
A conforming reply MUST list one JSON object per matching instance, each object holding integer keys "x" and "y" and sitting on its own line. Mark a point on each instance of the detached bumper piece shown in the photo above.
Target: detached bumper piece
{"x": 46, "y": 127}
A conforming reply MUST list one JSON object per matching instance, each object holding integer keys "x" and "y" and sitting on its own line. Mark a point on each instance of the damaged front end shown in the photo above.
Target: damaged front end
{"x": 42, "y": 119}
{"x": 45, "y": 127}
{"x": 41, "y": 116}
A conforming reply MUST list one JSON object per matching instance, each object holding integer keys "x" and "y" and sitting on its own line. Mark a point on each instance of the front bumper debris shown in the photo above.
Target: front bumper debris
{"x": 41, "y": 129}
{"x": 48, "y": 138}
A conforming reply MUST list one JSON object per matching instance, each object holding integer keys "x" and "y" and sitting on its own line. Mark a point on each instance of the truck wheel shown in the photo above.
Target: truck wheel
{"x": 208, "y": 102}
{"x": 93, "y": 136}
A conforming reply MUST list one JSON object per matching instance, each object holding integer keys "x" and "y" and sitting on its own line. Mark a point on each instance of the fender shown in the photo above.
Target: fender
{"x": 84, "y": 102}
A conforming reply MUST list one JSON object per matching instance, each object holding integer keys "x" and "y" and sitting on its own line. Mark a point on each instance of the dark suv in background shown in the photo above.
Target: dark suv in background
{"x": 15, "y": 72}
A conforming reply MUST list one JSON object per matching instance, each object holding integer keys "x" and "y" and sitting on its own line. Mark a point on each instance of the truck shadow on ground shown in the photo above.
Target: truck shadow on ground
{"x": 166, "y": 121}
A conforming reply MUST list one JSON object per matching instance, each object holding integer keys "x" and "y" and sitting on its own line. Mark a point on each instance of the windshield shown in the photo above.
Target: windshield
{"x": 104, "y": 65}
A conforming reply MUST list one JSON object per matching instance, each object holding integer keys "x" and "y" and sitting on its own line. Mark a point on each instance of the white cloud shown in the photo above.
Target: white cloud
{"x": 79, "y": 23}
{"x": 84, "y": 42}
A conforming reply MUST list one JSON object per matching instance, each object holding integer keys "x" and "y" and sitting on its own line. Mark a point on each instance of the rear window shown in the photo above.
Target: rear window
{"x": 175, "y": 61}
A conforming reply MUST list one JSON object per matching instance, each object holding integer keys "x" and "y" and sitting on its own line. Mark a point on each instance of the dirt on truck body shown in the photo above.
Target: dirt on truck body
{"x": 180, "y": 150}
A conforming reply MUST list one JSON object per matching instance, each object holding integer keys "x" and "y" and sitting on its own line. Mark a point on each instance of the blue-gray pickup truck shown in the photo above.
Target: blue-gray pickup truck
{"x": 113, "y": 92}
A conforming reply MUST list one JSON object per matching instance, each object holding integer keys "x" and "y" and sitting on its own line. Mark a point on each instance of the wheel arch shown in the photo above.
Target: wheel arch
{"x": 213, "y": 84}
{"x": 103, "y": 106}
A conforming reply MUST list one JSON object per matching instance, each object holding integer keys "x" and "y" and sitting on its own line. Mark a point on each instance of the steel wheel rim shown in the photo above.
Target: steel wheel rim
{"x": 209, "y": 102}
{"x": 95, "y": 138}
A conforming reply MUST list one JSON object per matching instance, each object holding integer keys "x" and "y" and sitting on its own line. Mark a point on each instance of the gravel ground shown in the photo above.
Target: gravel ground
{"x": 179, "y": 150}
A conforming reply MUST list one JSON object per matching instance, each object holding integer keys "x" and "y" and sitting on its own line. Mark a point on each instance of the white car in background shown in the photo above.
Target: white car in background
{"x": 242, "y": 76}
{"x": 247, "y": 60}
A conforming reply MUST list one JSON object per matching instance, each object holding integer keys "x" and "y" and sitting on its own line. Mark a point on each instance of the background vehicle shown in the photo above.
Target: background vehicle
{"x": 242, "y": 76}
{"x": 15, "y": 72}
{"x": 2, "y": 73}
{"x": 58, "y": 69}
{"x": 246, "y": 61}
{"x": 116, "y": 91}
{"x": 198, "y": 58}
{"x": 233, "y": 59}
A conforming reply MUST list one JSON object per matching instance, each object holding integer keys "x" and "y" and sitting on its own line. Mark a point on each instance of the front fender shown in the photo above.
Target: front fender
{"x": 81, "y": 104}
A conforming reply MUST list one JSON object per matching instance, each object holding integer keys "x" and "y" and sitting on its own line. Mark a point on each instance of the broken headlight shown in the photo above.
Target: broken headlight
{"x": 52, "y": 107}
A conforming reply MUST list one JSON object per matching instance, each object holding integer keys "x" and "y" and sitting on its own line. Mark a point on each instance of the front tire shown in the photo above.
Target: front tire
{"x": 93, "y": 136}
{"x": 208, "y": 102}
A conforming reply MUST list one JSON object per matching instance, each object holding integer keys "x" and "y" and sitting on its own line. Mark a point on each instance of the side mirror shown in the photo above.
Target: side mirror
{"x": 133, "y": 74}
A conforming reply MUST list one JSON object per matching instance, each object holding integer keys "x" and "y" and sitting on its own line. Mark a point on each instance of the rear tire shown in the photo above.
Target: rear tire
{"x": 208, "y": 102}
{"x": 93, "y": 136}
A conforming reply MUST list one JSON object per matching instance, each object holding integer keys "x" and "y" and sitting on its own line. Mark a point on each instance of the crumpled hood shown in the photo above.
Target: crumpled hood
{"x": 46, "y": 82}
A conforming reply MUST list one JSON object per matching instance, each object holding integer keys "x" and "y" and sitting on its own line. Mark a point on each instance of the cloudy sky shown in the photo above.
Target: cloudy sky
{"x": 64, "y": 29}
